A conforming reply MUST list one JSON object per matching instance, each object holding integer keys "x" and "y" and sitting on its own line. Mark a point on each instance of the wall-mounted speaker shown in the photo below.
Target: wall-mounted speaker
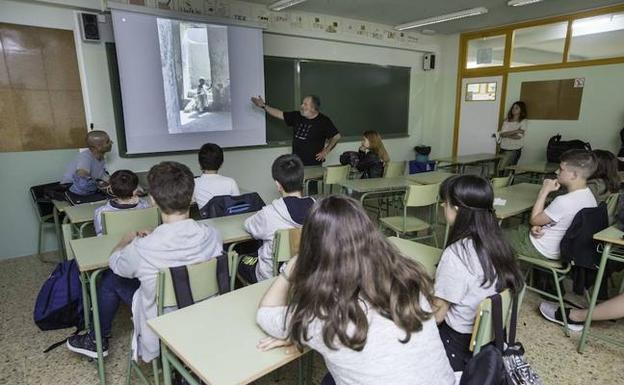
{"x": 89, "y": 27}
{"x": 429, "y": 61}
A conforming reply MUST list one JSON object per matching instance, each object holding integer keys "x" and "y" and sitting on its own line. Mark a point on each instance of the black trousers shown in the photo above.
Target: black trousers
{"x": 457, "y": 346}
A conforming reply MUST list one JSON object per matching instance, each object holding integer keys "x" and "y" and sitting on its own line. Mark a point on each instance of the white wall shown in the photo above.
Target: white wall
{"x": 430, "y": 121}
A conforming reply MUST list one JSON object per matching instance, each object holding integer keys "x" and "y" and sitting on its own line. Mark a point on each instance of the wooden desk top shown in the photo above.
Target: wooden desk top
{"x": 377, "y": 184}
{"x": 82, "y": 213}
{"x": 60, "y": 206}
{"x": 231, "y": 228}
{"x": 93, "y": 253}
{"x": 468, "y": 159}
{"x": 431, "y": 177}
{"x": 428, "y": 256}
{"x": 538, "y": 168}
{"x": 610, "y": 235}
{"x": 520, "y": 198}
{"x": 217, "y": 338}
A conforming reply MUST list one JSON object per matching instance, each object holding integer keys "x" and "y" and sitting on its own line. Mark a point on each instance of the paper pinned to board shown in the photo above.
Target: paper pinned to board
{"x": 500, "y": 202}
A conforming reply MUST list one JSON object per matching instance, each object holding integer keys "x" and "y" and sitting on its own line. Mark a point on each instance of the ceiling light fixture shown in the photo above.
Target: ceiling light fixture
{"x": 282, "y": 4}
{"x": 520, "y": 3}
{"x": 442, "y": 18}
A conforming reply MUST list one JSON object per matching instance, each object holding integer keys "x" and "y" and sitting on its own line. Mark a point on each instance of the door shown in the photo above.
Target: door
{"x": 478, "y": 116}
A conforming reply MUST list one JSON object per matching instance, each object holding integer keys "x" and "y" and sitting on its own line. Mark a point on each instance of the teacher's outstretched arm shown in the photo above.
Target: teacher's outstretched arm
{"x": 274, "y": 112}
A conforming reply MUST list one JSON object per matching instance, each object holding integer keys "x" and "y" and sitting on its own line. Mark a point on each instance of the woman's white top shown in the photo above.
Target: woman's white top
{"x": 510, "y": 143}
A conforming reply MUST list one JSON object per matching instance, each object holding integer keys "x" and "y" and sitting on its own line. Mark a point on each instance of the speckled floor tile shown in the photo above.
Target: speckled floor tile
{"x": 22, "y": 360}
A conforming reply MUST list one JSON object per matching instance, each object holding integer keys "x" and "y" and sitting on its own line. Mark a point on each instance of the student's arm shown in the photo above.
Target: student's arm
{"x": 538, "y": 216}
{"x": 440, "y": 308}
{"x": 257, "y": 225}
{"x": 277, "y": 295}
{"x": 124, "y": 260}
{"x": 274, "y": 112}
{"x": 330, "y": 146}
{"x": 451, "y": 284}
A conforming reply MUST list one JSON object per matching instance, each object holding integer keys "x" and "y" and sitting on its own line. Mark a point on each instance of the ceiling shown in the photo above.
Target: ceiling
{"x": 394, "y": 12}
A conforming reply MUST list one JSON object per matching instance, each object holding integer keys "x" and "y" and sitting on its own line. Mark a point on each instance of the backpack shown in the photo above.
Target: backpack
{"x": 59, "y": 302}
{"x": 556, "y": 147}
{"x": 226, "y": 205}
{"x": 352, "y": 158}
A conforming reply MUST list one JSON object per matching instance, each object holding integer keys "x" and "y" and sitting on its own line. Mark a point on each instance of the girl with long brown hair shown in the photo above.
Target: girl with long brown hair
{"x": 372, "y": 155}
{"x": 352, "y": 297}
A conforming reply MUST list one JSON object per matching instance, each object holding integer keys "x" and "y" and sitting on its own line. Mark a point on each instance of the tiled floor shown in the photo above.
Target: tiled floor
{"x": 22, "y": 362}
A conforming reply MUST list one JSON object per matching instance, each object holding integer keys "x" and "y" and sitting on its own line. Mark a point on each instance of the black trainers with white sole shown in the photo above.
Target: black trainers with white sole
{"x": 85, "y": 344}
{"x": 551, "y": 312}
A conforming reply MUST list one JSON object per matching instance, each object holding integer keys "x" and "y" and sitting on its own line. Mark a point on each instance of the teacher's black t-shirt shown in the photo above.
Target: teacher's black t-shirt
{"x": 309, "y": 135}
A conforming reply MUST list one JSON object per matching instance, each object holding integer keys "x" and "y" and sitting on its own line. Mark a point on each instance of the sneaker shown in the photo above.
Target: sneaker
{"x": 551, "y": 312}
{"x": 85, "y": 344}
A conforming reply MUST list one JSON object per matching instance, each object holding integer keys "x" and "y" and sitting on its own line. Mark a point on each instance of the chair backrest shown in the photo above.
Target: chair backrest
{"x": 483, "y": 329}
{"x": 421, "y": 195}
{"x": 125, "y": 221}
{"x": 285, "y": 246}
{"x": 502, "y": 181}
{"x": 394, "y": 169}
{"x": 335, "y": 174}
{"x": 202, "y": 279}
{"x": 612, "y": 206}
{"x": 42, "y": 204}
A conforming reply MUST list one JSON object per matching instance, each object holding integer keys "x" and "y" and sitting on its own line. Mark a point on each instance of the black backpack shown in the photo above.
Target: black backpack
{"x": 352, "y": 158}
{"x": 556, "y": 147}
{"x": 225, "y": 205}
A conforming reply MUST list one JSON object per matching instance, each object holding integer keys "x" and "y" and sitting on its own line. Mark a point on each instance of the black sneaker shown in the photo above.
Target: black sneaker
{"x": 85, "y": 344}
{"x": 551, "y": 312}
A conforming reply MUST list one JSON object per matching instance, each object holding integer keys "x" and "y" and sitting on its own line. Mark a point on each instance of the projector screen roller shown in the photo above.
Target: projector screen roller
{"x": 184, "y": 83}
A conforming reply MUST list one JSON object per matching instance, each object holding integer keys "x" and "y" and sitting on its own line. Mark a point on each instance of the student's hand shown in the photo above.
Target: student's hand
{"x": 268, "y": 343}
{"x": 322, "y": 155}
{"x": 550, "y": 185}
{"x": 143, "y": 233}
{"x": 537, "y": 231}
{"x": 258, "y": 101}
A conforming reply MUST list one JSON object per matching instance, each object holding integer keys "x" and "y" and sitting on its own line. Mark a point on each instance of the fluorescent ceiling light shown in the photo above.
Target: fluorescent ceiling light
{"x": 282, "y": 4}
{"x": 520, "y": 3}
{"x": 442, "y": 18}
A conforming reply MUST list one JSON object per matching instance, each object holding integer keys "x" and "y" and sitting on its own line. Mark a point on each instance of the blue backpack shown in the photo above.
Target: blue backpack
{"x": 59, "y": 302}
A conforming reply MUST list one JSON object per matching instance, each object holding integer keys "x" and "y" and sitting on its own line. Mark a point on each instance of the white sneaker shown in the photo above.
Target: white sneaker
{"x": 551, "y": 312}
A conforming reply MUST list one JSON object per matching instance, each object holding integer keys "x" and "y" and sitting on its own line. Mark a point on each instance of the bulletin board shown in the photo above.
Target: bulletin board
{"x": 553, "y": 99}
{"x": 41, "y": 104}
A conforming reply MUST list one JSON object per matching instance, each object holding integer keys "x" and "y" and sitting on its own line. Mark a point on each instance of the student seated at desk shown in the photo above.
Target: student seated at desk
{"x": 139, "y": 256}
{"x": 210, "y": 183}
{"x": 90, "y": 163}
{"x": 611, "y": 309}
{"x": 477, "y": 263}
{"x": 605, "y": 180}
{"x": 287, "y": 212}
{"x": 372, "y": 155}
{"x": 550, "y": 224}
{"x": 352, "y": 297}
{"x": 124, "y": 185}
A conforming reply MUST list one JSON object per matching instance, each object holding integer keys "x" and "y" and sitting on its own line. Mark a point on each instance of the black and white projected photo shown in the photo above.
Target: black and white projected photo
{"x": 196, "y": 76}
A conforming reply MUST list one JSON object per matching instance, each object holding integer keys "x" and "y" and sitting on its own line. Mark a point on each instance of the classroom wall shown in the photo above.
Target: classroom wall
{"x": 431, "y": 117}
{"x": 602, "y": 109}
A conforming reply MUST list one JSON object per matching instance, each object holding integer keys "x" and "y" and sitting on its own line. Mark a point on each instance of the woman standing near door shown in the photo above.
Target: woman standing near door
{"x": 512, "y": 135}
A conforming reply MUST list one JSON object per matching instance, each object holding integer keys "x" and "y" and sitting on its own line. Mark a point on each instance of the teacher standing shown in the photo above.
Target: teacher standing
{"x": 512, "y": 135}
{"x": 314, "y": 134}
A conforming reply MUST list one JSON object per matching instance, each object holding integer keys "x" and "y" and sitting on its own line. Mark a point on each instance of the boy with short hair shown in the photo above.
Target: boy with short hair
{"x": 550, "y": 224}
{"x": 210, "y": 183}
{"x": 287, "y": 212}
{"x": 139, "y": 256}
{"x": 123, "y": 184}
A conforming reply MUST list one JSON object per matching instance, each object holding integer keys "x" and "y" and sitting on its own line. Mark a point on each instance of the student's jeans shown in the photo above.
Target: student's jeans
{"x": 112, "y": 290}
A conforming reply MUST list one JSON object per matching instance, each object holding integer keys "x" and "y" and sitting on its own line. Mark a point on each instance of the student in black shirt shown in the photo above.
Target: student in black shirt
{"x": 314, "y": 134}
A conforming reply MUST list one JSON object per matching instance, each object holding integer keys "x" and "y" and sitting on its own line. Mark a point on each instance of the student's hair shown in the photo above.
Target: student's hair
{"x": 607, "y": 170}
{"x": 376, "y": 145}
{"x": 210, "y": 157}
{"x": 171, "y": 185}
{"x": 583, "y": 161}
{"x": 316, "y": 101}
{"x": 523, "y": 111}
{"x": 288, "y": 171}
{"x": 123, "y": 183}
{"x": 345, "y": 264}
{"x": 473, "y": 196}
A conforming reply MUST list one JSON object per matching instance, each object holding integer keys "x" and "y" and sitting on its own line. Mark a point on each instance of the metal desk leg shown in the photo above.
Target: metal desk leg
{"x": 179, "y": 367}
{"x": 59, "y": 235}
{"x": 96, "y": 325}
{"x": 86, "y": 303}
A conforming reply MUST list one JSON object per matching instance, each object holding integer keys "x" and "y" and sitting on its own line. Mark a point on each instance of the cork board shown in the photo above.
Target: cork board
{"x": 552, "y": 99}
{"x": 41, "y": 105}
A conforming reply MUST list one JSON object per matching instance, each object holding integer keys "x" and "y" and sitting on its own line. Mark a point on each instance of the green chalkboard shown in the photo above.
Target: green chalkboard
{"x": 357, "y": 97}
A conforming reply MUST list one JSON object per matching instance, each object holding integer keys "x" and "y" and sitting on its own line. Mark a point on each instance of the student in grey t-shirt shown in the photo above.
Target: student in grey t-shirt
{"x": 339, "y": 290}
{"x": 478, "y": 262}
{"x": 90, "y": 163}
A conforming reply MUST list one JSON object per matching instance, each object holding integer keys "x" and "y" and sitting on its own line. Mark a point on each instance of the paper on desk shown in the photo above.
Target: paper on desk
{"x": 500, "y": 202}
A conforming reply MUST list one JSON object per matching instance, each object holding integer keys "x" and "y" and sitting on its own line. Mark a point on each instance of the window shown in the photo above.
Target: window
{"x": 539, "y": 45}
{"x": 597, "y": 37}
{"x": 486, "y": 52}
{"x": 480, "y": 91}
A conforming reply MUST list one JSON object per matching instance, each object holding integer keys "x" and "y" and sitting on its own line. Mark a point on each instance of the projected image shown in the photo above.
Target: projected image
{"x": 196, "y": 76}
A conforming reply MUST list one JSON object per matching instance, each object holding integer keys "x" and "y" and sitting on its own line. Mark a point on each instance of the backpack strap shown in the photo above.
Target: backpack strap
{"x": 497, "y": 321}
{"x": 514, "y": 320}
{"x": 181, "y": 286}
{"x": 223, "y": 273}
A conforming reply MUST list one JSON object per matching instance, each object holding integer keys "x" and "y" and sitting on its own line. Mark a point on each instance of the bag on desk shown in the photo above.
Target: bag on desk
{"x": 59, "y": 302}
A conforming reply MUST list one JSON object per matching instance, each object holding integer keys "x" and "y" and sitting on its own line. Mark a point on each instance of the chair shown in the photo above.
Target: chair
{"x": 203, "y": 283}
{"x": 334, "y": 175}
{"x": 394, "y": 169}
{"x": 612, "y": 207}
{"x": 125, "y": 221}
{"x": 285, "y": 246}
{"x": 44, "y": 210}
{"x": 426, "y": 255}
{"x": 502, "y": 181}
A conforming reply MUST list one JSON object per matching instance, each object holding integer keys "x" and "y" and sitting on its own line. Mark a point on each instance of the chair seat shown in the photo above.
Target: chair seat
{"x": 412, "y": 224}
{"x": 546, "y": 263}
